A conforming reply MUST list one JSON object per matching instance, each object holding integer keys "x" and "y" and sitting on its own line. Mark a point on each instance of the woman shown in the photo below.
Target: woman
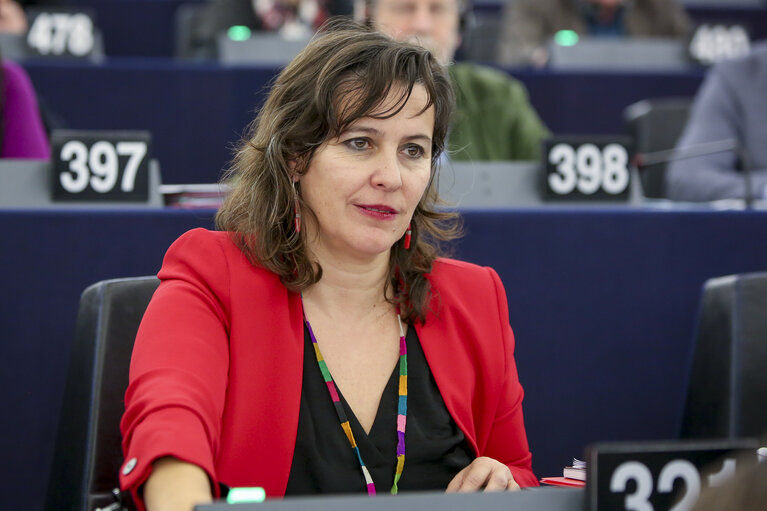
{"x": 318, "y": 346}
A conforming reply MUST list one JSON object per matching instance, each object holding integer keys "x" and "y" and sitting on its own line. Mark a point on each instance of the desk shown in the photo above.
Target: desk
{"x": 602, "y": 302}
{"x": 533, "y": 499}
{"x": 195, "y": 111}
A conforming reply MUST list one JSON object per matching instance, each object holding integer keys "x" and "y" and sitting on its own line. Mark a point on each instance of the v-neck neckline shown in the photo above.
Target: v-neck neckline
{"x": 389, "y": 395}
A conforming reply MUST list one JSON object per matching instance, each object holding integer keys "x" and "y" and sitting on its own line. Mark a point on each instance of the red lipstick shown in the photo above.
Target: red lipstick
{"x": 377, "y": 211}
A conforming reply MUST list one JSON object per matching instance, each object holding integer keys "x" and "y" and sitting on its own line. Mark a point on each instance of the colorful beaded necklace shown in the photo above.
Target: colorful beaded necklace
{"x": 401, "y": 408}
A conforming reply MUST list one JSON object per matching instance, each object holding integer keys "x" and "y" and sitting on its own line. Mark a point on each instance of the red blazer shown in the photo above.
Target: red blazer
{"x": 215, "y": 378}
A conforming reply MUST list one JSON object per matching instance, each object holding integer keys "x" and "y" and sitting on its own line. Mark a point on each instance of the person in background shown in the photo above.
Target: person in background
{"x": 22, "y": 134}
{"x": 494, "y": 119}
{"x": 529, "y": 25}
{"x": 731, "y": 104}
{"x": 293, "y": 19}
{"x": 317, "y": 344}
{"x": 13, "y": 20}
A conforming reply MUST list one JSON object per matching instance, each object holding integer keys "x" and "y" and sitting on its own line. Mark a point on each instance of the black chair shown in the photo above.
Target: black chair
{"x": 656, "y": 125}
{"x": 727, "y": 394}
{"x": 88, "y": 453}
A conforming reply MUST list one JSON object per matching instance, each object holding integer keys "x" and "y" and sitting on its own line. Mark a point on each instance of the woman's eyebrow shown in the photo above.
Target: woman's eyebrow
{"x": 364, "y": 129}
{"x": 420, "y": 136}
{"x": 374, "y": 131}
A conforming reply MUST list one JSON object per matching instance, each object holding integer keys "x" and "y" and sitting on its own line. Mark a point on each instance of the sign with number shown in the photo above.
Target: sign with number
{"x": 666, "y": 476}
{"x": 586, "y": 169}
{"x": 712, "y": 43}
{"x": 100, "y": 165}
{"x": 61, "y": 33}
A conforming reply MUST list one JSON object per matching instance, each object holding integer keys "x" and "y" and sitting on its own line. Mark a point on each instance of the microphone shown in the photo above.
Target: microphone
{"x": 642, "y": 160}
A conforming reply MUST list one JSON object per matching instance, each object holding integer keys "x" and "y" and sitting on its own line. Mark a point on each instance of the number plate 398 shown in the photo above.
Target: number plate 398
{"x": 584, "y": 170}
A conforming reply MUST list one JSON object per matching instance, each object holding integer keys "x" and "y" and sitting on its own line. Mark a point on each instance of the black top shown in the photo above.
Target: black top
{"x": 323, "y": 461}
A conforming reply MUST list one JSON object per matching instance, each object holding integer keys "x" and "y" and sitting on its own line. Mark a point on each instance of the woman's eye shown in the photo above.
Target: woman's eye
{"x": 358, "y": 143}
{"x": 414, "y": 151}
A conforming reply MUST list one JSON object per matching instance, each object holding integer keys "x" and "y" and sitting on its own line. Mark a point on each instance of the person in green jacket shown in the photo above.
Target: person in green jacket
{"x": 494, "y": 119}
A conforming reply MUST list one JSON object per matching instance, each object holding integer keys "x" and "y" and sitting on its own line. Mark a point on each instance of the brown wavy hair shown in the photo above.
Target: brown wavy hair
{"x": 343, "y": 75}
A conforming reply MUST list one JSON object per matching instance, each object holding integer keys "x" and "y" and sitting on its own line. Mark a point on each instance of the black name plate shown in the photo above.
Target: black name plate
{"x": 62, "y": 32}
{"x": 586, "y": 169}
{"x": 661, "y": 476}
{"x": 712, "y": 43}
{"x": 100, "y": 166}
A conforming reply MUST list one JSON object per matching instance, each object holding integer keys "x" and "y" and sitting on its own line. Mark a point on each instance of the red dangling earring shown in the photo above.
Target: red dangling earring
{"x": 297, "y": 218}
{"x": 408, "y": 235}
{"x": 296, "y": 210}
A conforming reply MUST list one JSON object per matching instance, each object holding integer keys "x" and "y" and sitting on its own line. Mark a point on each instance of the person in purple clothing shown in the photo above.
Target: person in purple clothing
{"x": 22, "y": 134}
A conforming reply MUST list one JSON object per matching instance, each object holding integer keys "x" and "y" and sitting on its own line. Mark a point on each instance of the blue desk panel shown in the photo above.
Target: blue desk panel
{"x": 602, "y": 302}
{"x": 195, "y": 112}
{"x": 135, "y": 27}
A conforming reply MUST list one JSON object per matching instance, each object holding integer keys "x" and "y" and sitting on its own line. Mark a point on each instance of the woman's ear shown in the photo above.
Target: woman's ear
{"x": 294, "y": 175}
{"x": 298, "y": 166}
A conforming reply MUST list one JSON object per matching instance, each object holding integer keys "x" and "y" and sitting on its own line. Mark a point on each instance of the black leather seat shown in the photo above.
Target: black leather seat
{"x": 88, "y": 453}
{"x": 656, "y": 125}
{"x": 727, "y": 394}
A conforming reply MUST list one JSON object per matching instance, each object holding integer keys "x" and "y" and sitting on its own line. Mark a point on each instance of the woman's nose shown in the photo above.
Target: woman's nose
{"x": 387, "y": 173}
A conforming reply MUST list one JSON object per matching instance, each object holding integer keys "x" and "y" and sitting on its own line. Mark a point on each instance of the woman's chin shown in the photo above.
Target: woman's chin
{"x": 371, "y": 249}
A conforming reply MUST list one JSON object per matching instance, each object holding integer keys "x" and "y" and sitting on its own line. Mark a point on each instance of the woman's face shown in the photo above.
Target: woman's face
{"x": 364, "y": 185}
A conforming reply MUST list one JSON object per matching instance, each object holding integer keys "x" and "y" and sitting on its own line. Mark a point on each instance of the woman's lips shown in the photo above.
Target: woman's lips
{"x": 377, "y": 211}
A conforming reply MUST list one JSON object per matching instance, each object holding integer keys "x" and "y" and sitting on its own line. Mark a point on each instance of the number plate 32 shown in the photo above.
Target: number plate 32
{"x": 661, "y": 476}
{"x": 100, "y": 166}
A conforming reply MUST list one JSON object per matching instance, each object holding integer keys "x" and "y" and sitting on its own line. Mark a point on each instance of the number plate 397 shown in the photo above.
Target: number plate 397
{"x": 100, "y": 165}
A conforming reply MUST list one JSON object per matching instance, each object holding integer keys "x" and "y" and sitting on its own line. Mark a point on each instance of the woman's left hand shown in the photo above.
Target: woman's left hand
{"x": 484, "y": 474}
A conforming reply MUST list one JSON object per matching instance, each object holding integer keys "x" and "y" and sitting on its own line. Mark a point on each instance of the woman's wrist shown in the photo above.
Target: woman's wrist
{"x": 175, "y": 485}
